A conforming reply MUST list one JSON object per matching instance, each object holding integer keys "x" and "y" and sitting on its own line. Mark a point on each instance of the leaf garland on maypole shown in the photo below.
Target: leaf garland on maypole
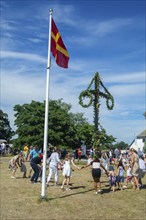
{"x": 94, "y": 96}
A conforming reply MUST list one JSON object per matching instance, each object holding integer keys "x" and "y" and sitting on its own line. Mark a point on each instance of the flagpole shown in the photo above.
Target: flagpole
{"x": 43, "y": 190}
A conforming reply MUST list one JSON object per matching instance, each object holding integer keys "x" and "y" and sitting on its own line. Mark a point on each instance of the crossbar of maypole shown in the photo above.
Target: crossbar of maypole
{"x": 43, "y": 190}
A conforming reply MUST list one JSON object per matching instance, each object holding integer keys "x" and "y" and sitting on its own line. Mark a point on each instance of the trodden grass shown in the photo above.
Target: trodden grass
{"x": 20, "y": 199}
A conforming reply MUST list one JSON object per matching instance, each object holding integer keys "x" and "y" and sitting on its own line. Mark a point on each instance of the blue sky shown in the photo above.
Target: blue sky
{"x": 101, "y": 36}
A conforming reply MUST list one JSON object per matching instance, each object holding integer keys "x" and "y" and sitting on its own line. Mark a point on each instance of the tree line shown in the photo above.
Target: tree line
{"x": 65, "y": 129}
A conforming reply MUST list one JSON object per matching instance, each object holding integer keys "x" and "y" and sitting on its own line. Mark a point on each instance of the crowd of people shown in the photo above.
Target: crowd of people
{"x": 5, "y": 148}
{"x": 110, "y": 163}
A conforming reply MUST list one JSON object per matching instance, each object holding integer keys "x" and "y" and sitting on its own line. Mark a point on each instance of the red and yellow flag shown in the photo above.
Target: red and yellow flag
{"x": 58, "y": 48}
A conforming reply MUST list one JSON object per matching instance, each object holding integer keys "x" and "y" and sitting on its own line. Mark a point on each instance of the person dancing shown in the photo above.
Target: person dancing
{"x": 135, "y": 168}
{"x": 67, "y": 170}
{"x": 53, "y": 166}
{"x": 96, "y": 173}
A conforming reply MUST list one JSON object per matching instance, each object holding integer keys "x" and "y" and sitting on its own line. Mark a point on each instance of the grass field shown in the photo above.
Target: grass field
{"x": 20, "y": 199}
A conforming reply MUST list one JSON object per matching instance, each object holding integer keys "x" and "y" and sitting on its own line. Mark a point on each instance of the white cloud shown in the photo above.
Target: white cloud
{"x": 25, "y": 56}
{"x": 124, "y": 130}
{"x": 35, "y": 40}
{"x": 109, "y": 26}
{"x": 7, "y": 25}
{"x": 131, "y": 77}
{"x": 130, "y": 90}
{"x": 18, "y": 88}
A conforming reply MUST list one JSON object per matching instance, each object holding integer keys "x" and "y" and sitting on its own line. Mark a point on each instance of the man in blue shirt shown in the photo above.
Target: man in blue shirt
{"x": 34, "y": 152}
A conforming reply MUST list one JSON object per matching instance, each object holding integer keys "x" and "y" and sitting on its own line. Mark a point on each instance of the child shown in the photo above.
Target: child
{"x": 16, "y": 162}
{"x": 112, "y": 177}
{"x": 67, "y": 171}
{"x": 22, "y": 166}
{"x": 120, "y": 175}
{"x": 128, "y": 176}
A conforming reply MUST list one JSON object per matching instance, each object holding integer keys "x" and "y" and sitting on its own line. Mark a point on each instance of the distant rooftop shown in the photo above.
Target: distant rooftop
{"x": 142, "y": 134}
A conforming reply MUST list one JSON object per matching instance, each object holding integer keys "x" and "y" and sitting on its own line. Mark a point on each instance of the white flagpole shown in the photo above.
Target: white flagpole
{"x": 43, "y": 191}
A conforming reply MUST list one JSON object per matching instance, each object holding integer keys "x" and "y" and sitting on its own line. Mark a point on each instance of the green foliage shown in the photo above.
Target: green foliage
{"x": 29, "y": 121}
{"x": 5, "y": 129}
{"x": 82, "y": 96}
{"x": 122, "y": 145}
{"x": 64, "y": 128}
{"x": 102, "y": 140}
{"x": 83, "y": 130}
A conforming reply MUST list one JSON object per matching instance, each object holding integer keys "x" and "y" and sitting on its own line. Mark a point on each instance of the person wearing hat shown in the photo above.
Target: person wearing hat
{"x": 25, "y": 151}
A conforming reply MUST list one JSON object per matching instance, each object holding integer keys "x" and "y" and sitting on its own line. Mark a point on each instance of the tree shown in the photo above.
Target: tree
{"x": 102, "y": 140}
{"x": 5, "y": 129}
{"x": 64, "y": 127}
{"x": 29, "y": 121}
{"x": 122, "y": 145}
{"x": 61, "y": 127}
{"x": 84, "y": 131}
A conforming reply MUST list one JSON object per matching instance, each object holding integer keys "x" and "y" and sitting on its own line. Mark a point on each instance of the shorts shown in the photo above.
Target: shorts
{"x": 96, "y": 174}
{"x": 23, "y": 168}
{"x": 128, "y": 179}
{"x": 120, "y": 179}
{"x": 112, "y": 180}
{"x": 12, "y": 166}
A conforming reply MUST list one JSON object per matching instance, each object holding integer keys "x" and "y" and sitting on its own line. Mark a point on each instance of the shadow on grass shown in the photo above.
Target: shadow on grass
{"x": 64, "y": 196}
{"x": 21, "y": 177}
{"x": 72, "y": 194}
{"x": 104, "y": 181}
{"x": 105, "y": 191}
{"x": 51, "y": 184}
{"x": 78, "y": 187}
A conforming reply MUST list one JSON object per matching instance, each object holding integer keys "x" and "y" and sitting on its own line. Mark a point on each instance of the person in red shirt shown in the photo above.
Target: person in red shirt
{"x": 79, "y": 154}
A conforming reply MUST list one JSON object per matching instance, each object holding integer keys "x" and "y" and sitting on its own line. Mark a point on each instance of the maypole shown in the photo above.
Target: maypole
{"x": 94, "y": 96}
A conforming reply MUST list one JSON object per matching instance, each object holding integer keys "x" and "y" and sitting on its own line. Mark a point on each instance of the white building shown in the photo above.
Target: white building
{"x": 139, "y": 141}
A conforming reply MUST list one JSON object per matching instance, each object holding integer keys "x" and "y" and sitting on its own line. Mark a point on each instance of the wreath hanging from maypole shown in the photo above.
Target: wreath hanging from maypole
{"x": 85, "y": 94}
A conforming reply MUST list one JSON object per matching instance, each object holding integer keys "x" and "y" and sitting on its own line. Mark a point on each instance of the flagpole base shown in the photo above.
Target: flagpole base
{"x": 44, "y": 198}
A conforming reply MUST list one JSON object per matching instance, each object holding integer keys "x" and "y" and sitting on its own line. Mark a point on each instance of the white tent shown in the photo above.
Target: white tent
{"x": 3, "y": 141}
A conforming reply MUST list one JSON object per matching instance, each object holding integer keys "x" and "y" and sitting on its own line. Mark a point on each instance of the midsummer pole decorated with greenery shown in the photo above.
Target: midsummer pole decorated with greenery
{"x": 94, "y": 93}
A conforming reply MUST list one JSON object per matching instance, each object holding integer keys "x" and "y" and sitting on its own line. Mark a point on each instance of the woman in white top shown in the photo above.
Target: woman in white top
{"x": 96, "y": 173}
{"x": 53, "y": 166}
{"x": 105, "y": 160}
